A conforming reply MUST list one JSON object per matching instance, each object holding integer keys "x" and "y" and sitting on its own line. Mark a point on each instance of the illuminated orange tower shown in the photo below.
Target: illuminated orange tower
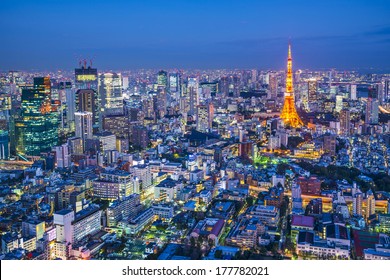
{"x": 289, "y": 113}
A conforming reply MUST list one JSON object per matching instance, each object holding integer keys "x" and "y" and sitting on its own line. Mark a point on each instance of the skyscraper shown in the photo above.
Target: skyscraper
{"x": 289, "y": 113}
{"x": 162, "y": 79}
{"x": 110, "y": 93}
{"x": 372, "y": 107}
{"x": 193, "y": 94}
{"x": 312, "y": 94}
{"x": 174, "y": 85}
{"x": 86, "y": 77}
{"x": 87, "y": 101}
{"x": 70, "y": 98}
{"x": 204, "y": 118}
{"x": 339, "y": 103}
{"x": 37, "y": 128}
{"x": 386, "y": 90}
{"x": 353, "y": 93}
{"x": 83, "y": 123}
{"x": 224, "y": 86}
{"x": 345, "y": 122}
{"x": 4, "y": 144}
{"x": 273, "y": 85}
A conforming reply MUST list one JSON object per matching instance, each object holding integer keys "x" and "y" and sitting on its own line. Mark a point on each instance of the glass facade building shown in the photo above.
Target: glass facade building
{"x": 37, "y": 128}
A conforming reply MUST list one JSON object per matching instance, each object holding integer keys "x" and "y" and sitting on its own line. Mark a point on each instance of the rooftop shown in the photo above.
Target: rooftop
{"x": 302, "y": 221}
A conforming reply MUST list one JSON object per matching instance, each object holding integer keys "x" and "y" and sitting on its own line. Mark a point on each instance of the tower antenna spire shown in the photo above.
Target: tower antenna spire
{"x": 289, "y": 114}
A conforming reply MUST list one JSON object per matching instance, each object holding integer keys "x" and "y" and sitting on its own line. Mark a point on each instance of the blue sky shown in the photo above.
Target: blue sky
{"x": 50, "y": 35}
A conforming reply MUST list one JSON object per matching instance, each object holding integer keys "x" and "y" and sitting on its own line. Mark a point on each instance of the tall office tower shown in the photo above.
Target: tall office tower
{"x": 87, "y": 101}
{"x": 174, "y": 85}
{"x": 203, "y": 119}
{"x": 273, "y": 85}
{"x": 193, "y": 94}
{"x": 4, "y": 144}
{"x": 162, "y": 101}
{"x": 70, "y": 100}
{"x": 224, "y": 86}
{"x": 110, "y": 93}
{"x": 289, "y": 114}
{"x": 37, "y": 127}
{"x": 125, "y": 83}
{"x": 381, "y": 92}
{"x": 83, "y": 123}
{"x": 372, "y": 107}
{"x": 7, "y": 126}
{"x": 147, "y": 107}
{"x": 312, "y": 94}
{"x": 345, "y": 122}
{"x": 64, "y": 90}
{"x": 236, "y": 85}
{"x": 254, "y": 75}
{"x": 63, "y": 156}
{"x": 386, "y": 90}
{"x": 353, "y": 93}
{"x": 162, "y": 79}
{"x": 339, "y": 103}
{"x": 357, "y": 204}
{"x": 370, "y": 208}
{"x": 86, "y": 77}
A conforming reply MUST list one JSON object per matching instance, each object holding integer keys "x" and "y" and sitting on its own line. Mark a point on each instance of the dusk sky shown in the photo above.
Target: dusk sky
{"x": 49, "y": 35}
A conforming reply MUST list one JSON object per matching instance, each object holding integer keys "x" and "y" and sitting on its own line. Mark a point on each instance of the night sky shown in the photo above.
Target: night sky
{"x": 49, "y": 35}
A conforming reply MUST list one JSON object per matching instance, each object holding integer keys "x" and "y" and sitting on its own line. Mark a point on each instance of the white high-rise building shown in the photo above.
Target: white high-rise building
{"x": 63, "y": 223}
{"x": 110, "y": 93}
{"x": 353, "y": 92}
{"x": 358, "y": 204}
{"x": 339, "y": 103}
{"x": 125, "y": 82}
{"x": 83, "y": 123}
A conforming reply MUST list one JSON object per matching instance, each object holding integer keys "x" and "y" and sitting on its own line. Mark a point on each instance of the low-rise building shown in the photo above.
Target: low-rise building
{"x": 269, "y": 215}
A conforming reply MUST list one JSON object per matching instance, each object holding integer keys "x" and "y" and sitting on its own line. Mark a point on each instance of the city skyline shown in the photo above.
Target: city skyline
{"x": 166, "y": 164}
{"x": 195, "y": 34}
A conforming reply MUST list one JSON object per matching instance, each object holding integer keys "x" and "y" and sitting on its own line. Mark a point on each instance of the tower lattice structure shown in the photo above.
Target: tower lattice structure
{"x": 289, "y": 114}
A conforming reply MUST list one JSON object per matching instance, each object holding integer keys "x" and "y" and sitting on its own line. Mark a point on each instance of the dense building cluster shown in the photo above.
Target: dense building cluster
{"x": 194, "y": 164}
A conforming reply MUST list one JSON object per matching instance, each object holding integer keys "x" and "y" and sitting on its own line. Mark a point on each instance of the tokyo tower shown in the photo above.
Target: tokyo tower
{"x": 289, "y": 113}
